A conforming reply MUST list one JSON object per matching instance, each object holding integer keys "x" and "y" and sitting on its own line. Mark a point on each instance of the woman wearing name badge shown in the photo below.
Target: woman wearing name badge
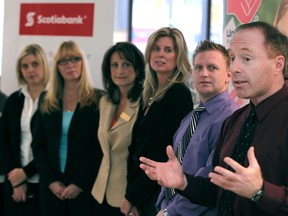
{"x": 21, "y": 187}
{"x": 123, "y": 76}
{"x": 65, "y": 144}
{"x": 166, "y": 102}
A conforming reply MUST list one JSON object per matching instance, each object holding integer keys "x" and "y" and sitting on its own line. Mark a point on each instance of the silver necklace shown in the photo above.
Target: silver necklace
{"x": 150, "y": 101}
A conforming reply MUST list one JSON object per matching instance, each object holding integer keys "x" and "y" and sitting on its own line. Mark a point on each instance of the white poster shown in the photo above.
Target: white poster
{"x": 89, "y": 23}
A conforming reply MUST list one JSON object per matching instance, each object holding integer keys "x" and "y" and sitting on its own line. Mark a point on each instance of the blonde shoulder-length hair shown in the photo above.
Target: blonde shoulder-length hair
{"x": 54, "y": 95}
{"x": 37, "y": 51}
{"x": 182, "y": 70}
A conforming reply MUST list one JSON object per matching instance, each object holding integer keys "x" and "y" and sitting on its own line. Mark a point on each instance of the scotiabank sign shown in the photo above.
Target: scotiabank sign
{"x": 67, "y": 19}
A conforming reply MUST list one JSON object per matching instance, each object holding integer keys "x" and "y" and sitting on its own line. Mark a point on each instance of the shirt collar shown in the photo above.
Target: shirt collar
{"x": 267, "y": 105}
{"x": 216, "y": 101}
{"x": 25, "y": 92}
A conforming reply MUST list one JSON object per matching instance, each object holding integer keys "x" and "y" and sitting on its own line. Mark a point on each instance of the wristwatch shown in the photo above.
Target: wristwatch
{"x": 165, "y": 213}
{"x": 258, "y": 195}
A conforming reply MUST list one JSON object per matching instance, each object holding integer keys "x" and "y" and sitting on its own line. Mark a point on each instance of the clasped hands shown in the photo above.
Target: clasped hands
{"x": 64, "y": 192}
{"x": 245, "y": 181}
{"x": 17, "y": 178}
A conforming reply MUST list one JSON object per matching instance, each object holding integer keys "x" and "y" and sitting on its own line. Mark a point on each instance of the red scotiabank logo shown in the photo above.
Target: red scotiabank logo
{"x": 57, "y": 19}
{"x": 244, "y": 10}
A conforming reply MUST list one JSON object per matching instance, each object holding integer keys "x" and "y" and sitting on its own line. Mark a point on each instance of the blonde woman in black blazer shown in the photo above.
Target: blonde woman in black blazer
{"x": 166, "y": 102}
{"x": 21, "y": 187}
{"x": 65, "y": 143}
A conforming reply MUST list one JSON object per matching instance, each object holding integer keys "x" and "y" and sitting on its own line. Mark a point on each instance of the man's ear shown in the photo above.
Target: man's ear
{"x": 228, "y": 76}
{"x": 279, "y": 64}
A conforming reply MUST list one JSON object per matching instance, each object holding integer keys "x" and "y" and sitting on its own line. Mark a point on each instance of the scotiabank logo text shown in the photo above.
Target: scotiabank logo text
{"x": 53, "y": 19}
{"x": 57, "y": 19}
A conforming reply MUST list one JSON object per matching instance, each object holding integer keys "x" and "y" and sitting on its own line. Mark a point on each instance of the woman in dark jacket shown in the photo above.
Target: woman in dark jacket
{"x": 65, "y": 143}
{"x": 21, "y": 187}
{"x": 166, "y": 101}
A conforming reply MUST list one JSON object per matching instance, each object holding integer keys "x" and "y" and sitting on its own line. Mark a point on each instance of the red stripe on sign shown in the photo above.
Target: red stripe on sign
{"x": 57, "y": 19}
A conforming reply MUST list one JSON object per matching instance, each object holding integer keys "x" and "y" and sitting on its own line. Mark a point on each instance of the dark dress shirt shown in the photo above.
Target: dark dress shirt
{"x": 271, "y": 151}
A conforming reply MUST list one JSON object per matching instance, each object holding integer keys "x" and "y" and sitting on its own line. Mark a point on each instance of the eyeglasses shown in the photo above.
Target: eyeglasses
{"x": 73, "y": 59}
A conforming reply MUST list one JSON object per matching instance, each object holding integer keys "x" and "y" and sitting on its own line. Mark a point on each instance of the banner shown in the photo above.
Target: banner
{"x": 49, "y": 24}
{"x": 57, "y": 19}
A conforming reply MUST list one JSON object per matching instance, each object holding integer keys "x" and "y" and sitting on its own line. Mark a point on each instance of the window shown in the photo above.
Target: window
{"x": 189, "y": 16}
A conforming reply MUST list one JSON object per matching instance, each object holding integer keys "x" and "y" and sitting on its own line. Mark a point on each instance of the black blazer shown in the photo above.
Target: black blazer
{"x": 151, "y": 135}
{"x": 11, "y": 135}
{"x": 3, "y": 98}
{"x": 83, "y": 155}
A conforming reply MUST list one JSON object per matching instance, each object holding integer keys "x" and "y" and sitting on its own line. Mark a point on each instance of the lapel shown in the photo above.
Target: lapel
{"x": 106, "y": 114}
{"x": 55, "y": 122}
{"x": 152, "y": 110}
{"x": 127, "y": 115}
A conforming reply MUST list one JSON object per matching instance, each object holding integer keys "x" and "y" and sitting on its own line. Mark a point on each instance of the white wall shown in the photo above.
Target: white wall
{"x": 1, "y": 34}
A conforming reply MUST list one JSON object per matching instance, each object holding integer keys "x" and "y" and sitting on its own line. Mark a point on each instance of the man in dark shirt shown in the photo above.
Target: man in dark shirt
{"x": 2, "y": 102}
{"x": 258, "y": 54}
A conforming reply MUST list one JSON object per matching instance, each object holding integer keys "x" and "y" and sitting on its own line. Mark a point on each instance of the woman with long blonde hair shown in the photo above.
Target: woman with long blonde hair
{"x": 166, "y": 101}
{"x": 65, "y": 142}
{"x": 21, "y": 187}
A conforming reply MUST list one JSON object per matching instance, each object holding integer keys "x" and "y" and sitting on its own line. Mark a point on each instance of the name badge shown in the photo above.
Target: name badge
{"x": 125, "y": 117}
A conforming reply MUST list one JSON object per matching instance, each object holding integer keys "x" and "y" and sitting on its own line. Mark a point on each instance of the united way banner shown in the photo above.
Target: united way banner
{"x": 50, "y": 22}
{"x": 237, "y": 12}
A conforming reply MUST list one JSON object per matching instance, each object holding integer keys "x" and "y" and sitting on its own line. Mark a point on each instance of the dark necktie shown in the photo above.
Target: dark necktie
{"x": 239, "y": 154}
{"x": 180, "y": 152}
